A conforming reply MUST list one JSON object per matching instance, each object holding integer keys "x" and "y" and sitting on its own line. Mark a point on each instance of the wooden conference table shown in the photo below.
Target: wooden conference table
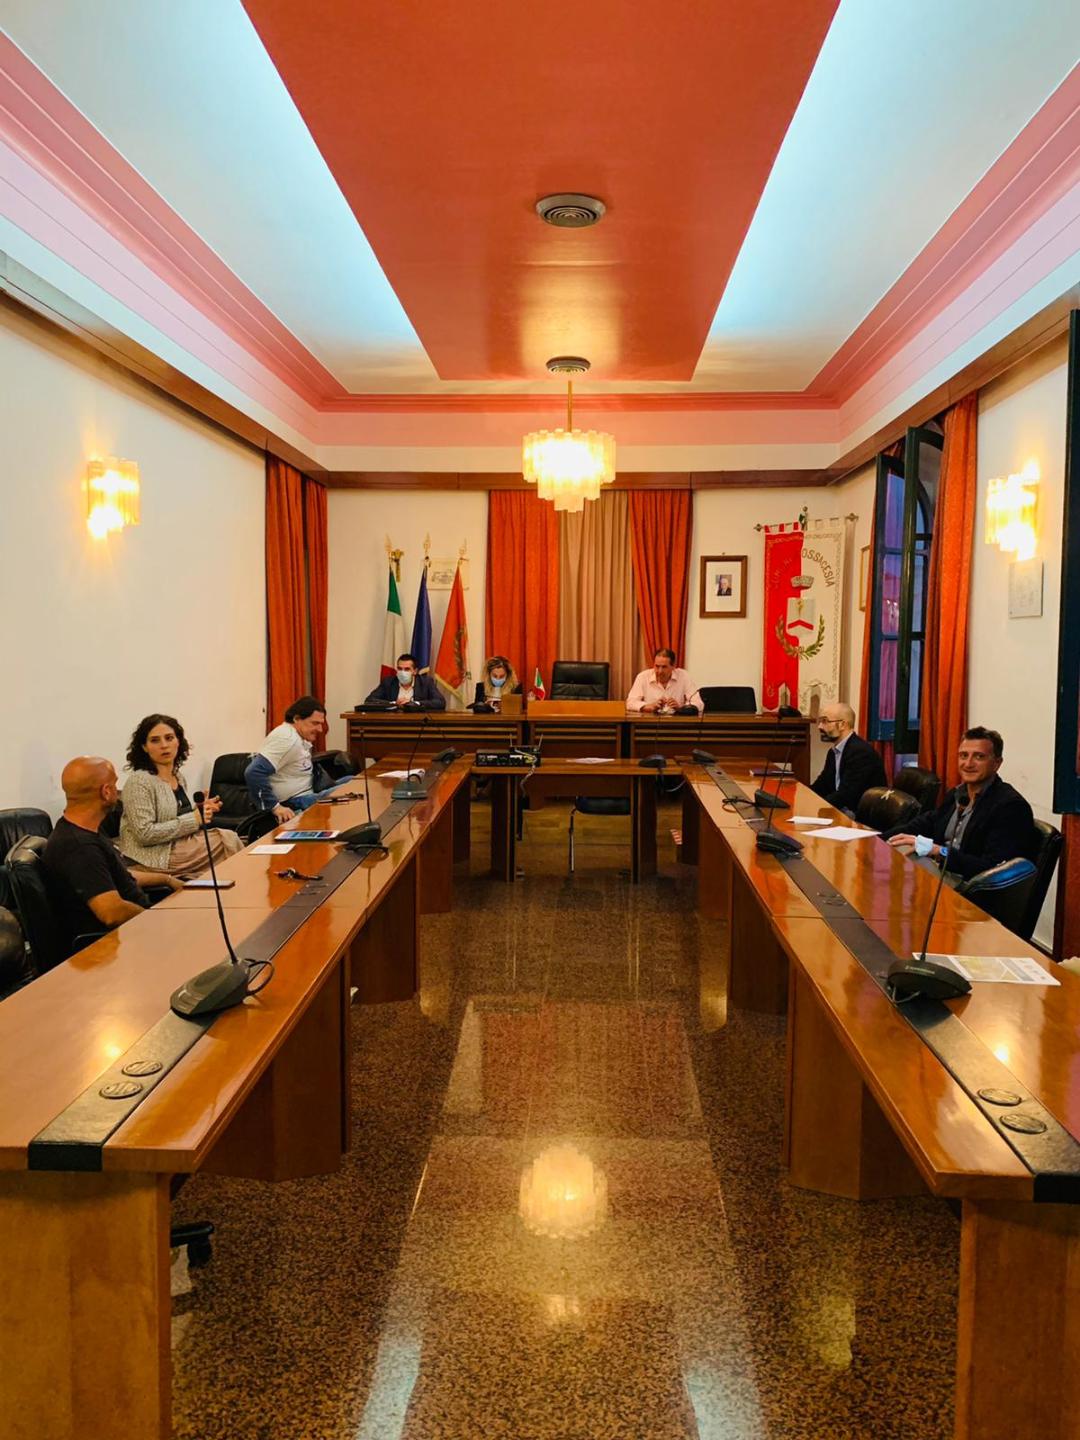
{"x": 84, "y": 1304}
{"x": 871, "y": 1111}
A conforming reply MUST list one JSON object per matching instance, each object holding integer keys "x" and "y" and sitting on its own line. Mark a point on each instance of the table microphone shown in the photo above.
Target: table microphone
{"x": 908, "y": 978}
{"x": 770, "y": 839}
{"x": 368, "y": 834}
{"x": 227, "y": 983}
{"x": 701, "y": 757}
{"x": 656, "y": 761}
{"x": 411, "y": 787}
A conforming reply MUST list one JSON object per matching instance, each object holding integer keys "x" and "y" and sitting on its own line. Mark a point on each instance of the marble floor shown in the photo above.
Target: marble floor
{"x": 569, "y": 1058}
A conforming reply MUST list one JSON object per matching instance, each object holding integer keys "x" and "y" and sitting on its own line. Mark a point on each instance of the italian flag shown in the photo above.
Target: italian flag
{"x": 394, "y": 633}
{"x": 538, "y": 685}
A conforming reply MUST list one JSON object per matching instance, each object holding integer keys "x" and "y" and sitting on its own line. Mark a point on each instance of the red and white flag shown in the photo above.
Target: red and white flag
{"x": 452, "y": 674}
{"x": 804, "y": 586}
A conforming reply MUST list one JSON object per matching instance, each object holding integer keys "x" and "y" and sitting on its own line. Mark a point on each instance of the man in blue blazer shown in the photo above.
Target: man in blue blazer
{"x": 406, "y": 687}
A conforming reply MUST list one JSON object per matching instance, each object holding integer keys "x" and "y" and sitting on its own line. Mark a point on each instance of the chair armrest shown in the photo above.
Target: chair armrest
{"x": 998, "y": 877}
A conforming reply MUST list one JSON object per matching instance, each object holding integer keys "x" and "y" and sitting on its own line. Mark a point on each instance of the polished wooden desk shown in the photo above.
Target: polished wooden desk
{"x": 573, "y": 728}
{"x": 871, "y": 1112}
{"x": 84, "y": 1308}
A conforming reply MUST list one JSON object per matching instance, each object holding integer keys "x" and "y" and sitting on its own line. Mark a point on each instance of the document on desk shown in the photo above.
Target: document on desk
{"x": 996, "y": 969}
{"x": 842, "y": 832}
{"x": 269, "y": 849}
{"x": 399, "y": 774}
{"x": 593, "y": 760}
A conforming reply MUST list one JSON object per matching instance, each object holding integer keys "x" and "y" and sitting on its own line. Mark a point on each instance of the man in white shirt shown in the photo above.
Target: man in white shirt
{"x": 663, "y": 690}
{"x": 281, "y": 776}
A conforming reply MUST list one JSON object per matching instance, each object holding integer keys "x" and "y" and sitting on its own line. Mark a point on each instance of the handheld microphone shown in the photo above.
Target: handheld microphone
{"x": 908, "y": 978}
{"x": 770, "y": 839}
{"x": 412, "y": 786}
{"x": 227, "y": 983}
{"x": 369, "y": 834}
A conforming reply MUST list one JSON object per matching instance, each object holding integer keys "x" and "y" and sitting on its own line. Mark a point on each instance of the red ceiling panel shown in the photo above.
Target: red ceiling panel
{"x": 444, "y": 121}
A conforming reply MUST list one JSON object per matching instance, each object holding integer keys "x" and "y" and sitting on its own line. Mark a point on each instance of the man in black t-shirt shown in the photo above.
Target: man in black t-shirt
{"x": 93, "y": 887}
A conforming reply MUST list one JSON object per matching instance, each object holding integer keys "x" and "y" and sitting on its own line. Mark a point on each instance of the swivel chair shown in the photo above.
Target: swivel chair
{"x": 882, "y": 808}
{"x": 923, "y": 784}
{"x": 580, "y": 680}
{"x": 228, "y": 783}
{"x": 729, "y": 699}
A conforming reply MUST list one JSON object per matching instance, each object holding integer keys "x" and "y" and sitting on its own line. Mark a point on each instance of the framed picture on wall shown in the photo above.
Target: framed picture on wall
{"x": 723, "y": 587}
{"x": 441, "y": 574}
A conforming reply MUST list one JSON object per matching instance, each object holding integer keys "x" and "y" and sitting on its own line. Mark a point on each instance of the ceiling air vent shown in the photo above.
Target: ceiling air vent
{"x": 570, "y": 212}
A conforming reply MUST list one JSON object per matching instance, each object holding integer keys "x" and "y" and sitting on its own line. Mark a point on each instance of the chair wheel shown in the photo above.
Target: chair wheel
{"x": 199, "y": 1253}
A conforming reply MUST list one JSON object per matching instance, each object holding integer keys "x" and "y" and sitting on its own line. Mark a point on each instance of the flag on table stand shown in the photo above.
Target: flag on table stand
{"x": 452, "y": 673}
{"x": 538, "y": 691}
{"x": 394, "y": 633}
{"x": 421, "y": 630}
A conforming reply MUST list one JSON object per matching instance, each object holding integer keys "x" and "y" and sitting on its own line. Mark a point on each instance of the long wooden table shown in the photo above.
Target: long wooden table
{"x": 871, "y": 1112}
{"x": 84, "y": 1307}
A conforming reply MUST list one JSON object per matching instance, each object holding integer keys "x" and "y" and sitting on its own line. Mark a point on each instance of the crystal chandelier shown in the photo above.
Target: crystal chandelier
{"x": 568, "y": 466}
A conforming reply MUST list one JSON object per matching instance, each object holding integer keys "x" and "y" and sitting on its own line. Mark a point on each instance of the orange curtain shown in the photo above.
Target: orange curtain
{"x": 660, "y": 530}
{"x": 522, "y": 618}
{"x": 317, "y": 578}
{"x": 285, "y": 618}
{"x": 944, "y": 687}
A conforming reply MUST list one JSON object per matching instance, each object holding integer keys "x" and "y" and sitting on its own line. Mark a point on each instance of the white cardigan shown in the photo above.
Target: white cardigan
{"x": 150, "y": 824}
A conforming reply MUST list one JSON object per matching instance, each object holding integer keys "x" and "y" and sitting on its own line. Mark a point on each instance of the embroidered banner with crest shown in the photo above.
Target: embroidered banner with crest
{"x": 804, "y": 588}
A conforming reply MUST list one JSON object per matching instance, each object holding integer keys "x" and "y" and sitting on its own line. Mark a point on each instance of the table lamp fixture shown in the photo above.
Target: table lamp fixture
{"x": 1011, "y": 507}
{"x": 112, "y": 495}
{"x": 568, "y": 466}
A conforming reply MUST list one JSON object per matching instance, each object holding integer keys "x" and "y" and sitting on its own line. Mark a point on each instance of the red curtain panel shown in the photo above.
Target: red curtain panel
{"x": 285, "y": 600}
{"x": 661, "y": 522}
{"x": 317, "y": 581}
{"x": 522, "y": 612}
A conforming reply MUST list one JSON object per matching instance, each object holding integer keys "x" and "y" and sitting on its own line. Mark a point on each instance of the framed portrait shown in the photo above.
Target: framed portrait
{"x": 723, "y": 587}
{"x": 864, "y": 577}
{"x": 441, "y": 574}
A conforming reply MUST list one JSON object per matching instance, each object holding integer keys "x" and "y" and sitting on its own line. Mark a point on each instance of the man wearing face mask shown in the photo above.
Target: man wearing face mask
{"x": 93, "y": 887}
{"x": 852, "y": 766}
{"x": 407, "y": 687}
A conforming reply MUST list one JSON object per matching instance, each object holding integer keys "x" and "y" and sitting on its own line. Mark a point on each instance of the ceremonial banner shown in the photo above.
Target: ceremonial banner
{"x": 452, "y": 673}
{"x": 393, "y": 630}
{"x": 804, "y": 588}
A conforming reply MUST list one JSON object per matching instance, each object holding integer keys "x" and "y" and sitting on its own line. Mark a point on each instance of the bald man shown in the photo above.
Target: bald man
{"x": 852, "y": 766}
{"x": 92, "y": 885}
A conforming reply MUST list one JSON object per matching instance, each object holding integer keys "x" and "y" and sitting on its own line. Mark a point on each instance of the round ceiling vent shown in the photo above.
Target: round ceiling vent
{"x": 570, "y": 212}
{"x": 567, "y": 365}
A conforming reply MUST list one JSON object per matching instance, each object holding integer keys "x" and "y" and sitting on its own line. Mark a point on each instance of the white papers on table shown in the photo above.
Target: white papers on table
{"x": 269, "y": 849}
{"x": 810, "y": 820}
{"x": 593, "y": 760}
{"x": 996, "y": 969}
{"x": 842, "y": 832}
{"x": 397, "y": 774}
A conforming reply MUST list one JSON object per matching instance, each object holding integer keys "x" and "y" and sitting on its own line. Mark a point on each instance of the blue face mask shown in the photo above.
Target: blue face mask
{"x": 405, "y": 677}
{"x": 498, "y": 681}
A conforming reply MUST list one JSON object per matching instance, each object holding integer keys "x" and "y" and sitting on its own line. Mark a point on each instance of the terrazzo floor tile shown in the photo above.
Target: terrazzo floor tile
{"x": 405, "y": 1297}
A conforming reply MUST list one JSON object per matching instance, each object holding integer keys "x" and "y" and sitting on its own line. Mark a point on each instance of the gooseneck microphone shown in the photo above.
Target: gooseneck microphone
{"x": 227, "y": 983}
{"x": 656, "y": 761}
{"x": 368, "y": 834}
{"x": 908, "y": 978}
{"x": 699, "y": 756}
{"x": 411, "y": 787}
{"x": 770, "y": 839}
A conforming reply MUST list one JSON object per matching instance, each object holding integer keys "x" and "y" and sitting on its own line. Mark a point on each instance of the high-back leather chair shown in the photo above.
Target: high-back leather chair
{"x": 228, "y": 783}
{"x": 35, "y": 906}
{"x": 580, "y": 680}
{"x": 881, "y": 808}
{"x": 336, "y": 764}
{"x": 729, "y": 699}
{"x": 23, "y": 820}
{"x": 1013, "y": 892}
{"x": 923, "y": 784}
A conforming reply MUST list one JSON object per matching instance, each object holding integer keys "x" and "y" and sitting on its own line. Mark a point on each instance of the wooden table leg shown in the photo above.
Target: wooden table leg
{"x": 437, "y": 866}
{"x": 384, "y": 954}
{"x": 504, "y": 796}
{"x": 759, "y": 966}
{"x": 463, "y": 823}
{"x": 643, "y": 827}
{"x": 691, "y": 827}
{"x": 715, "y": 872}
{"x": 1018, "y": 1331}
{"x": 837, "y": 1140}
{"x": 84, "y": 1306}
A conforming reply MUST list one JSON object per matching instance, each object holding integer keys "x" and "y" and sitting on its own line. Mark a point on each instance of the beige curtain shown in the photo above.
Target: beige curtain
{"x": 598, "y": 614}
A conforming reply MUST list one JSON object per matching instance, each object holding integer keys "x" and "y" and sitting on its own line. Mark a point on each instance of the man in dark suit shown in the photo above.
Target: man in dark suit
{"x": 982, "y": 822}
{"x": 852, "y": 766}
{"x": 406, "y": 687}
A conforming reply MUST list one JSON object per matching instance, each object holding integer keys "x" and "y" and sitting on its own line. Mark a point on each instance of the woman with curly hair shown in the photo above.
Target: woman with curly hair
{"x": 159, "y": 828}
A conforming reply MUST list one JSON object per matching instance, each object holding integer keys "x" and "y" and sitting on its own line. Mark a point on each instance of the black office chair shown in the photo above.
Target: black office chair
{"x": 1013, "y": 892}
{"x": 729, "y": 699}
{"x": 15, "y": 966}
{"x": 595, "y": 805}
{"x": 23, "y": 820}
{"x": 37, "y": 909}
{"x": 255, "y": 825}
{"x": 923, "y": 784}
{"x": 580, "y": 680}
{"x": 228, "y": 783}
{"x": 882, "y": 808}
{"x": 336, "y": 764}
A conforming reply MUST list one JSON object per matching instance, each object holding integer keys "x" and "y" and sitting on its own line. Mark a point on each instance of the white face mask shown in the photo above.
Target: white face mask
{"x": 405, "y": 678}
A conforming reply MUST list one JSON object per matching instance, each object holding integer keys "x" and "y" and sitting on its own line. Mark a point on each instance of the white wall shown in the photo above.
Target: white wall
{"x": 167, "y": 616}
{"x": 1012, "y": 670}
{"x": 358, "y": 522}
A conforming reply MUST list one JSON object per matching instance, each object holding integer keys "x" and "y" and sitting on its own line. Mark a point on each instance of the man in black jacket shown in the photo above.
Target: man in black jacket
{"x": 983, "y": 821}
{"x": 852, "y": 766}
{"x": 406, "y": 687}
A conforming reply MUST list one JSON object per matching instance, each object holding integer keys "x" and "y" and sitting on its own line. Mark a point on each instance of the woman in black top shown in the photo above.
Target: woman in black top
{"x": 497, "y": 679}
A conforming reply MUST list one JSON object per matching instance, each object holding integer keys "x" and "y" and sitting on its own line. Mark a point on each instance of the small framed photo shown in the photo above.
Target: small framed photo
{"x": 441, "y": 574}
{"x": 723, "y": 587}
{"x": 1025, "y": 589}
{"x": 864, "y": 577}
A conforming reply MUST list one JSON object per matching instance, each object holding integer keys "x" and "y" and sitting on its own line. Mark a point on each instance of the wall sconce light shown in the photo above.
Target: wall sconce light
{"x": 112, "y": 495}
{"x": 1011, "y": 510}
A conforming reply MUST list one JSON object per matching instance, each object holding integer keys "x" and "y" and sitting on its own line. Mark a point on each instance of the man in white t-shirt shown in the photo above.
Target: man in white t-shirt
{"x": 281, "y": 775}
{"x": 664, "y": 690}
